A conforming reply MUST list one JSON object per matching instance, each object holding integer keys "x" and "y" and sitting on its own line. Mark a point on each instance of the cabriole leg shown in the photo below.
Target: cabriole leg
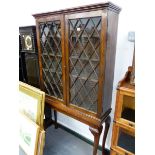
{"x": 107, "y": 125}
{"x": 96, "y": 133}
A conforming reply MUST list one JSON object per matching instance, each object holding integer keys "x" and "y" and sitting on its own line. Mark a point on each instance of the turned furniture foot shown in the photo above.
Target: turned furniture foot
{"x": 107, "y": 125}
{"x": 96, "y": 133}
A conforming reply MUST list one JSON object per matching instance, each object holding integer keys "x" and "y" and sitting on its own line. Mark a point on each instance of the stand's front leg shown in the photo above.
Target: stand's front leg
{"x": 107, "y": 125}
{"x": 96, "y": 133}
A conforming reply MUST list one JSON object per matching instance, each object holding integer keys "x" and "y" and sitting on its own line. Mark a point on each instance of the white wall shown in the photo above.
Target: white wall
{"x": 124, "y": 53}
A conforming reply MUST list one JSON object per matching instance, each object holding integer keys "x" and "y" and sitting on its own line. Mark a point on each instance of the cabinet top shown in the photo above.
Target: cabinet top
{"x": 31, "y": 28}
{"x": 106, "y": 5}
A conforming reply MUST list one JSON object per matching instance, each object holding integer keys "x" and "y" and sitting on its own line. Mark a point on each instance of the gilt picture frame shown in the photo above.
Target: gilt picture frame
{"x": 31, "y": 136}
{"x": 31, "y": 103}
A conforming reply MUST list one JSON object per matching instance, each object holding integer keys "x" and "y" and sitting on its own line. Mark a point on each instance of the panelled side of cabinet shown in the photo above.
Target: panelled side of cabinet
{"x": 112, "y": 22}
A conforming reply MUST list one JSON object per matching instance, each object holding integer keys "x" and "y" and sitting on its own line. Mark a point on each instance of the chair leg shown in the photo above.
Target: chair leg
{"x": 107, "y": 125}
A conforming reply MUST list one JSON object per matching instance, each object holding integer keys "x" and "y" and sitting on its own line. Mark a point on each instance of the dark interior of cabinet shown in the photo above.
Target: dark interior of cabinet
{"x": 84, "y": 49}
{"x": 126, "y": 141}
{"x": 128, "y": 110}
{"x": 128, "y": 114}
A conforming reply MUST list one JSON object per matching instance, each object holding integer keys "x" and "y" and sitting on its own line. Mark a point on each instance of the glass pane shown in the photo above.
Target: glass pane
{"x": 84, "y": 47}
{"x": 128, "y": 108}
{"x": 126, "y": 141}
{"x": 50, "y": 34}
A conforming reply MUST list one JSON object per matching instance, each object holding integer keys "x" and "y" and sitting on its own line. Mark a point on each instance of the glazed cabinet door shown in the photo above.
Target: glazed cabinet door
{"x": 83, "y": 49}
{"x": 51, "y": 56}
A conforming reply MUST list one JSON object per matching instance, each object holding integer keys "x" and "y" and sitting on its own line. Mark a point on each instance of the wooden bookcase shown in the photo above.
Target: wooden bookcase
{"x": 76, "y": 57}
{"x": 123, "y": 136}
